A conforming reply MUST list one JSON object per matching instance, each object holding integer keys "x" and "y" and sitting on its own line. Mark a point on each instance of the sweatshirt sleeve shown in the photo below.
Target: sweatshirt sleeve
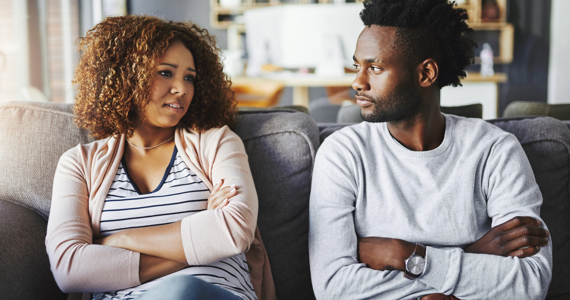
{"x": 213, "y": 235}
{"x": 76, "y": 263}
{"x": 337, "y": 274}
{"x": 511, "y": 190}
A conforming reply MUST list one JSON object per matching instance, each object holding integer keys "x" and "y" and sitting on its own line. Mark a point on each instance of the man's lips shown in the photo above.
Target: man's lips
{"x": 363, "y": 101}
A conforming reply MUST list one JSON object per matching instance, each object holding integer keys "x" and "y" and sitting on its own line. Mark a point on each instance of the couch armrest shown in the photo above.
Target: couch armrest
{"x": 24, "y": 265}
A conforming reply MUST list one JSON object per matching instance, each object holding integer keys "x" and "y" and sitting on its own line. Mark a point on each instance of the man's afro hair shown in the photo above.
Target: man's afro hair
{"x": 427, "y": 29}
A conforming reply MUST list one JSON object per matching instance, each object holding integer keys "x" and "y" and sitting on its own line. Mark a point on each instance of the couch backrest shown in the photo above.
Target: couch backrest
{"x": 34, "y": 136}
{"x": 281, "y": 145}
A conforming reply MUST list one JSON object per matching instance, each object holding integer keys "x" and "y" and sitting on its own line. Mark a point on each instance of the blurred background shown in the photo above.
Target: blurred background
{"x": 294, "y": 52}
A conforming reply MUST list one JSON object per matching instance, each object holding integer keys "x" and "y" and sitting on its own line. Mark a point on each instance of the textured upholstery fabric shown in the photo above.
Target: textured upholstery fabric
{"x": 281, "y": 153}
{"x": 34, "y": 136}
{"x": 546, "y": 142}
{"x": 529, "y": 108}
{"x": 24, "y": 266}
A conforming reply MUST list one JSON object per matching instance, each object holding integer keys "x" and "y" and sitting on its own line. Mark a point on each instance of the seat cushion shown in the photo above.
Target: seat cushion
{"x": 24, "y": 265}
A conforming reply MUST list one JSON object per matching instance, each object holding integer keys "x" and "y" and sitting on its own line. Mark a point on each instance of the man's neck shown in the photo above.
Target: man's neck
{"x": 423, "y": 132}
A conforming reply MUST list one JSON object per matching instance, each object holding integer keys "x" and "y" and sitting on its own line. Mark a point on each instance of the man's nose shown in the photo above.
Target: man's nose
{"x": 360, "y": 83}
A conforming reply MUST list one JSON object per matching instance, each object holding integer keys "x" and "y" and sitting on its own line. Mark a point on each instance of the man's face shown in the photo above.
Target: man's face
{"x": 385, "y": 86}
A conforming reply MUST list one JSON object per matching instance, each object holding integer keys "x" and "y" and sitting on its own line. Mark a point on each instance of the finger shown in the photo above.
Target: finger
{"x": 227, "y": 192}
{"x": 526, "y": 230}
{"x": 217, "y": 186}
{"x": 519, "y": 221}
{"x": 215, "y": 203}
{"x": 526, "y": 252}
{"x": 526, "y": 241}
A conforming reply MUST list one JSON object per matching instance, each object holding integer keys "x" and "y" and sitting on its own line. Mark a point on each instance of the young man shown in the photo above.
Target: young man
{"x": 414, "y": 203}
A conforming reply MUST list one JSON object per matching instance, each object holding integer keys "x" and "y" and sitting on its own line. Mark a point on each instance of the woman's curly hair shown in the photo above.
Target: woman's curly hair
{"x": 427, "y": 29}
{"x": 115, "y": 74}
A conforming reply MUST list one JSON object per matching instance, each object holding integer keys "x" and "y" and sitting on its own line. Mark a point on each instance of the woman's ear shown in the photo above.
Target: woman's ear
{"x": 429, "y": 72}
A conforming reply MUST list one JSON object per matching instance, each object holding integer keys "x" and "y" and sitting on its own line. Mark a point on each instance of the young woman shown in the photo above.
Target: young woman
{"x": 164, "y": 198}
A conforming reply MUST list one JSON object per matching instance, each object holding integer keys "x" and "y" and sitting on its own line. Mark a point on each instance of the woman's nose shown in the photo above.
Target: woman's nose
{"x": 178, "y": 88}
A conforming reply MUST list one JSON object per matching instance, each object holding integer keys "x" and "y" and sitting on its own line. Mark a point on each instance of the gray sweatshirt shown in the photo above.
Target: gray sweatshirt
{"x": 367, "y": 184}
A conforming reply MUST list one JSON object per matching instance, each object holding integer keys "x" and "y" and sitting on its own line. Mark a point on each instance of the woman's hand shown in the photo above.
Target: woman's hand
{"x": 220, "y": 196}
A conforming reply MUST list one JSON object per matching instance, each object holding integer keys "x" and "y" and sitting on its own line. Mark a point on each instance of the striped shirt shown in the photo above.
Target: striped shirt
{"x": 180, "y": 194}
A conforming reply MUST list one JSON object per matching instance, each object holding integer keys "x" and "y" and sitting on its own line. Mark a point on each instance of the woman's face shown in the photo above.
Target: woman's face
{"x": 172, "y": 89}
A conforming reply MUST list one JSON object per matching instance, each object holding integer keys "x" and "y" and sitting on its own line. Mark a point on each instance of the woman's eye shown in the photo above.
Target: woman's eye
{"x": 190, "y": 78}
{"x": 165, "y": 73}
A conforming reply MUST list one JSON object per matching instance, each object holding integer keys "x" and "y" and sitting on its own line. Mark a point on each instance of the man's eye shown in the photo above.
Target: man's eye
{"x": 356, "y": 67}
{"x": 165, "y": 73}
{"x": 190, "y": 78}
{"x": 376, "y": 69}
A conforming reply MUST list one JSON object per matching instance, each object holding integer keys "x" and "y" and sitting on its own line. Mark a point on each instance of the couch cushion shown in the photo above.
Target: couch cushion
{"x": 281, "y": 148}
{"x": 546, "y": 142}
{"x": 34, "y": 136}
{"x": 24, "y": 271}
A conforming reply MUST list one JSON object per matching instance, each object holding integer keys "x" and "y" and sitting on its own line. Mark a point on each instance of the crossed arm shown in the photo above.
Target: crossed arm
{"x": 519, "y": 237}
{"x": 160, "y": 246}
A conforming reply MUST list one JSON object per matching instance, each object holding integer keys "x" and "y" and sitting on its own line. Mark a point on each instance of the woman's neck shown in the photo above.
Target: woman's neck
{"x": 150, "y": 137}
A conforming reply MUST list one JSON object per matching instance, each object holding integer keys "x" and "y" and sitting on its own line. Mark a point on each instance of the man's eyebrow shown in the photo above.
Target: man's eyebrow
{"x": 368, "y": 60}
{"x": 176, "y": 66}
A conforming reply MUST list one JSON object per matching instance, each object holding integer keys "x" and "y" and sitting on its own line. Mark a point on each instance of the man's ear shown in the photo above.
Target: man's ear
{"x": 429, "y": 72}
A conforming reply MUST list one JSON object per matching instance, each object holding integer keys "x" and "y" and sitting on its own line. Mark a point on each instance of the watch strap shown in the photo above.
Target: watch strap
{"x": 420, "y": 250}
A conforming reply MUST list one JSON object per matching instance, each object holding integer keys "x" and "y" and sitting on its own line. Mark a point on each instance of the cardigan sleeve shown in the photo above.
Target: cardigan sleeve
{"x": 76, "y": 263}
{"x": 213, "y": 235}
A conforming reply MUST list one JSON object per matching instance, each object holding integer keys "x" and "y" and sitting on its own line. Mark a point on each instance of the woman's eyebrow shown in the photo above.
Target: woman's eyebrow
{"x": 176, "y": 66}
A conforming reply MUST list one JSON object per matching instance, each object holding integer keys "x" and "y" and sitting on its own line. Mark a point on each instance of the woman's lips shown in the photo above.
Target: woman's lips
{"x": 174, "y": 107}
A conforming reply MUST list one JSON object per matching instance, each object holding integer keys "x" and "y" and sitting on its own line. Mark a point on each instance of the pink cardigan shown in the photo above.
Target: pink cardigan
{"x": 82, "y": 180}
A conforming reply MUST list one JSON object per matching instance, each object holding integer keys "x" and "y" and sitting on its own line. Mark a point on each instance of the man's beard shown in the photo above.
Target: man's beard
{"x": 402, "y": 104}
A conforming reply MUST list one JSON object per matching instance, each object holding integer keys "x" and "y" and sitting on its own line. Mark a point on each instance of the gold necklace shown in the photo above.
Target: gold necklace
{"x": 151, "y": 147}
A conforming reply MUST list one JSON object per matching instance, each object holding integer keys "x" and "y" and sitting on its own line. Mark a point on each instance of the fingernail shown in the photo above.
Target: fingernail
{"x": 233, "y": 190}
{"x": 218, "y": 183}
{"x": 226, "y": 200}
{"x": 233, "y": 186}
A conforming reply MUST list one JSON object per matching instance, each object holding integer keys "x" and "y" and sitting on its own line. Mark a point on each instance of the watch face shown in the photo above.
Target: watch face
{"x": 415, "y": 265}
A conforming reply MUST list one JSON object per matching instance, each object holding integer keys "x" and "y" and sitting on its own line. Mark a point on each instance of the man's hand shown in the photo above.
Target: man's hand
{"x": 520, "y": 237}
{"x": 384, "y": 253}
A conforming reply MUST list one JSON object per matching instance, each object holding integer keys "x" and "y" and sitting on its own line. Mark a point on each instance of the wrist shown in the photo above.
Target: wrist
{"x": 406, "y": 249}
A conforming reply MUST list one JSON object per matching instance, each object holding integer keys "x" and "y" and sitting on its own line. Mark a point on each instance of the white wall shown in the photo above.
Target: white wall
{"x": 559, "y": 66}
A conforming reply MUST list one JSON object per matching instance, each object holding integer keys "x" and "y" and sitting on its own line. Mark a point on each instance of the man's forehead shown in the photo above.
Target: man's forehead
{"x": 373, "y": 42}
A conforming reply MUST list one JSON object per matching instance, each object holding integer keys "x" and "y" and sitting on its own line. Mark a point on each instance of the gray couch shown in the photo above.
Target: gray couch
{"x": 281, "y": 145}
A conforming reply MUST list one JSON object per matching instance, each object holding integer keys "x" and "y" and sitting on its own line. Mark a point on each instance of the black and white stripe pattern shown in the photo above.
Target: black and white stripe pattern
{"x": 180, "y": 194}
